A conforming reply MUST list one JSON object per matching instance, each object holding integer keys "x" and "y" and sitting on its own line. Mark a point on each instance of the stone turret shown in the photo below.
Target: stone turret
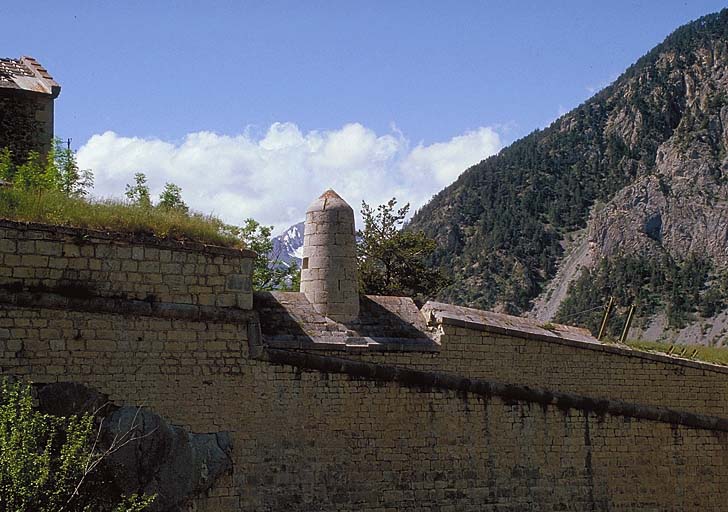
{"x": 328, "y": 271}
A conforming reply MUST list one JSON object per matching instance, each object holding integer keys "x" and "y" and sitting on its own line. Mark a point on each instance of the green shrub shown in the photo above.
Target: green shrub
{"x": 45, "y": 461}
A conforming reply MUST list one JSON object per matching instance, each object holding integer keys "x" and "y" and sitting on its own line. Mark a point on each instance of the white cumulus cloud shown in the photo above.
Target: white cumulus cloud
{"x": 274, "y": 177}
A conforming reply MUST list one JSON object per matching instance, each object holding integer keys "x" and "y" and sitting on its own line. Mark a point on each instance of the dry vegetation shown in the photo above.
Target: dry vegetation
{"x": 714, "y": 355}
{"x": 53, "y": 207}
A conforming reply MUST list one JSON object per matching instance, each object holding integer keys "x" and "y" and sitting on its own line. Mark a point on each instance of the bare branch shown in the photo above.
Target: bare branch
{"x": 117, "y": 443}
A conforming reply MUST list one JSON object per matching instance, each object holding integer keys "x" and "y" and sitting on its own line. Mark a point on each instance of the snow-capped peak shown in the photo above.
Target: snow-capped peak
{"x": 288, "y": 247}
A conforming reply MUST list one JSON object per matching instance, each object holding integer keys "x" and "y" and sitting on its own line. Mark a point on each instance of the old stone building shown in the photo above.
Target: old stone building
{"x": 27, "y": 92}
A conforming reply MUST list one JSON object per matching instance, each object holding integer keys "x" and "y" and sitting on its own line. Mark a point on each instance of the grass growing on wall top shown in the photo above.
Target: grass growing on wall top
{"x": 54, "y": 207}
{"x": 714, "y": 355}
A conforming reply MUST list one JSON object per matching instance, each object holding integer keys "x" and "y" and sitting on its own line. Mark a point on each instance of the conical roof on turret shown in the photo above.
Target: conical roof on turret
{"x": 329, "y": 200}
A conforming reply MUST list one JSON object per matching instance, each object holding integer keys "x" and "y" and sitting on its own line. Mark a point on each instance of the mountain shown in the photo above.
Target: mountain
{"x": 626, "y": 195}
{"x": 288, "y": 247}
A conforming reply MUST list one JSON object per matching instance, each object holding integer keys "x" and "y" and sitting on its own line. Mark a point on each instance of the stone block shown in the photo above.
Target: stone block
{"x": 12, "y": 260}
{"x": 111, "y": 264}
{"x": 236, "y": 282}
{"x": 225, "y": 300}
{"x": 71, "y": 250}
{"x": 123, "y": 252}
{"x": 34, "y": 260}
{"x": 149, "y": 267}
{"x": 151, "y": 253}
{"x": 244, "y": 300}
{"x": 13, "y": 345}
{"x": 246, "y": 266}
{"x": 107, "y": 251}
{"x": 78, "y": 263}
{"x": 9, "y": 246}
{"x": 129, "y": 266}
{"x": 170, "y": 268}
{"x": 26, "y": 247}
{"x": 23, "y": 272}
{"x": 206, "y": 299}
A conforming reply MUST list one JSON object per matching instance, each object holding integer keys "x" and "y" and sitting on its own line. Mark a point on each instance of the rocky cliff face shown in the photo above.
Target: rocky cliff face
{"x": 678, "y": 209}
{"x": 679, "y": 206}
{"x": 637, "y": 177}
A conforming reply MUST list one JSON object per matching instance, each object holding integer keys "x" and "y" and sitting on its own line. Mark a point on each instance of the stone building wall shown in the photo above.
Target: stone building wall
{"x": 26, "y": 122}
{"x": 488, "y": 421}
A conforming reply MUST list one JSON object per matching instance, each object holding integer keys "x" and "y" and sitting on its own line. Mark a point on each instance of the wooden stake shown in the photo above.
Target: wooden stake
{"x": 627, "y": 324}
{"x": 606, "y": 316}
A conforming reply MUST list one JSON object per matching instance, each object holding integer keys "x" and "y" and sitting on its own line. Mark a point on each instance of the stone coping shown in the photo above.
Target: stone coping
{"x": 510, "y": 393}
{"x": 497, "y": 323}
{"x": 129, "y": 238}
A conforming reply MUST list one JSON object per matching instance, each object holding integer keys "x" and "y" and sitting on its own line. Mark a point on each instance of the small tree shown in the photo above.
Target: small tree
{"x": 171, "y": 198}
{"x": 269, "y": 273}
{"x": 392, "y": 261}
{"x": 138, "y": 193}
{"x": 72, "y": 181}
{"x": 35, "y": 174}
{"x": 46, "y": 462}
{"x": 59, "y": 172}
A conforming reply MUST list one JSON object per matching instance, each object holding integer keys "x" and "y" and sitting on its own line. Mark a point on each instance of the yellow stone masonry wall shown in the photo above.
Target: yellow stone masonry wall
{"x": 312, "y": 440}
{"x": 597, "y": 371}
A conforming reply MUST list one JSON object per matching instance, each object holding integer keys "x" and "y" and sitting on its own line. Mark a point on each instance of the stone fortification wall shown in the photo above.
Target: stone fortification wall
{"x": 307, "y": 439}
{"x": 85, "y": 263}
{"x": 598, "y": 371}
{"x": 481, "y": 345}
{"x": 26, "y": 122}
{"x": 571, "y": 426}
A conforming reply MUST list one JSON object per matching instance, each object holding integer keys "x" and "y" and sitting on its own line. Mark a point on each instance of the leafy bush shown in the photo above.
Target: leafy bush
{"x": 392, "y": 261}
{"x": 268, "y": 272}
{"x": 45, "y": 461}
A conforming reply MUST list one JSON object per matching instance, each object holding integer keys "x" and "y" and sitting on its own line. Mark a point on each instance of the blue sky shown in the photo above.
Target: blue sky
{"x": 171, "y": 82}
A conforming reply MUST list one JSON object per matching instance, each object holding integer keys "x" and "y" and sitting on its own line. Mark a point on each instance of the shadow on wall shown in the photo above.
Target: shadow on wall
{"x": 289, "y": 315}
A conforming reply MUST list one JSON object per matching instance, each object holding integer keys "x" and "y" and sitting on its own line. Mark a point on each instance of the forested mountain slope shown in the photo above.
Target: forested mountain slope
{"x": 646, "y": 158}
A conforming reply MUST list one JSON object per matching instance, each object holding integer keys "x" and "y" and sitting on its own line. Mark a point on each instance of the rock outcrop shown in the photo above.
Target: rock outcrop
{"x": 152, "y": 456}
